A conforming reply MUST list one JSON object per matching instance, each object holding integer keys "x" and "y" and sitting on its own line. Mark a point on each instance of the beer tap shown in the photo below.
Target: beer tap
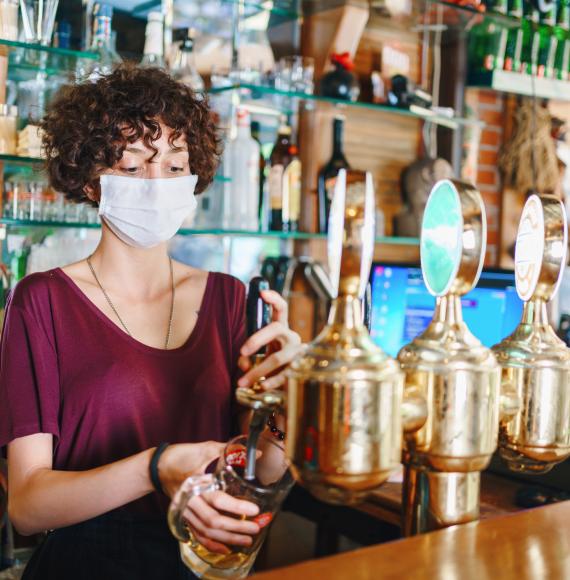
{"x": 535, "y": 363}
{"x": 458, "y": 378}
{"x": 344, "y": 397}
{"x": 258, "y": 315}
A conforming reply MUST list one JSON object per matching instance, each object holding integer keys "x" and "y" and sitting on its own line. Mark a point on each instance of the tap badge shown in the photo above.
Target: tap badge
{"x": 529, "y": 248}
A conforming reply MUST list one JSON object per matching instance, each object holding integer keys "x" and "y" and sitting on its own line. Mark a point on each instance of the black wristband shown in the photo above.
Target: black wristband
{"x": 153, "y": 467}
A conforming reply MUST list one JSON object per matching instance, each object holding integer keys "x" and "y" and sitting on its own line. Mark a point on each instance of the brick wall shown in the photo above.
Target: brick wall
{"x": 489, "y": 107}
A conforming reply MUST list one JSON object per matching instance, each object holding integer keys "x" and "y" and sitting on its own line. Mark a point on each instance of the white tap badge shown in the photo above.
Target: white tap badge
{"x": 529, "y": 249}
{"x": 336, "y": 230}
{"x": 368, "y": 232}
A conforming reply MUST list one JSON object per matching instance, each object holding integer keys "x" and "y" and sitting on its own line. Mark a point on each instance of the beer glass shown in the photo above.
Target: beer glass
{"x": 267, "y": 490}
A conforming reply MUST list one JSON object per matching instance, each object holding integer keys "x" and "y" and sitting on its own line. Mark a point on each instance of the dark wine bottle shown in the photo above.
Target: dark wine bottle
{"x": 284, "y": 183}
{"x": 328, "y": 174}
{"x": 255, "y": 132}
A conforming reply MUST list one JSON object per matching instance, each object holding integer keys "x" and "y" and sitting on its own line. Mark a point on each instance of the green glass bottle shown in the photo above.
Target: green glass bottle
{"x": 515, "y": 8}
{"x": 499, "y": 6}
{"x": 531, "y": 39}
{"x": 547, "y": 42}
{"x": 562, "y": 35}
{"x": 513, "y": 50}
{"x": 488, "y": 41}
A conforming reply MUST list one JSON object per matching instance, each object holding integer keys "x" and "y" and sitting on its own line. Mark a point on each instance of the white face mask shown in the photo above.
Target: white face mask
{"x": 146, "y": 212}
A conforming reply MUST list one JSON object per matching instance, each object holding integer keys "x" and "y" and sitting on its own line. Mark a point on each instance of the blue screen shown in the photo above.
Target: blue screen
{"x": 402, "y": 307}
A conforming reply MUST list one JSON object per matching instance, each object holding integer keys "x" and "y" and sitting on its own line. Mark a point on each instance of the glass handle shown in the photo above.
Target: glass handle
{"x": 192, "y": 486}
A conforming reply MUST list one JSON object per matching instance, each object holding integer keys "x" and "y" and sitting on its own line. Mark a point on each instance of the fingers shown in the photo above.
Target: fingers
{"x": 203, "y": 514}
{"x": 271, "y": 364}
{"x": 244, "y": 363}
{"x": 227, "y": 503}
{"x": 215, "y": 547}
{"x": 275, "y": 331}
{"x": 216, "y": 535}
{"x": 280, "y": 308}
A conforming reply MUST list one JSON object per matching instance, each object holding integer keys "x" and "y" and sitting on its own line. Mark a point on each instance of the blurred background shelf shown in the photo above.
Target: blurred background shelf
{"x": 13, "y": 224}
{"x": 272, "y": 98}
{"x": 521, "y": 84}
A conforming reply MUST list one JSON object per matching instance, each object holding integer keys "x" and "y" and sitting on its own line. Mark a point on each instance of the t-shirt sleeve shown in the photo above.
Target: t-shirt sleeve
{"x": 29, "y": 378}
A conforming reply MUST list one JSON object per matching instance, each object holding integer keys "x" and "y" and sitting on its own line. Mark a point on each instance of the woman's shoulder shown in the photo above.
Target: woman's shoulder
{"x": 35, "y": 290}
{"x": 229, "y": 285}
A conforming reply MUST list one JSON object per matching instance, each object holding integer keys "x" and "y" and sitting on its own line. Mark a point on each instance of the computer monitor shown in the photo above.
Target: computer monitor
{"x": 402, "y": 307}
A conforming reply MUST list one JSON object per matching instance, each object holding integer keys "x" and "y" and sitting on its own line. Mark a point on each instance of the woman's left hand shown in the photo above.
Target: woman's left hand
{"x": 284, "y": 345}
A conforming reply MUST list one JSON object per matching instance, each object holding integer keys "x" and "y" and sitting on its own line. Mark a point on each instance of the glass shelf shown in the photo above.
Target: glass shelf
{"x": 36, "y": 163}
{"x": 18, "y": 160}
{"x": 521, "y": 84}
{"x": 269, "y": 97}
{"x": 435, "y": 13}
{"x": 65, "y": 52}
{"x": 209, "y": 232}
{"x": 26, "y": 60}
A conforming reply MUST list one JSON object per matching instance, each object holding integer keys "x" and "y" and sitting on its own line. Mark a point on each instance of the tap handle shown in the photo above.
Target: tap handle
{"x": 367, "y": 307}
{"x": 257, "y": 312}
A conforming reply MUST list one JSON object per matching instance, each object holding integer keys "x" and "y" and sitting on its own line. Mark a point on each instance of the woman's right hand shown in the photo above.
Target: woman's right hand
{"x": 209, "y": 515}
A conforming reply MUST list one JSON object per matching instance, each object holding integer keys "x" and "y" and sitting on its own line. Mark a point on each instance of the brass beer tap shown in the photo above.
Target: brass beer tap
{"x": 344, "y": 398}
{"x": 457, "y": 376}
{"x": 535, "y": 363}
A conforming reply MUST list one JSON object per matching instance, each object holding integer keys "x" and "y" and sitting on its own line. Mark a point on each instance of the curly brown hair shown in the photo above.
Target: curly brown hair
{"x": 88, "y": 126}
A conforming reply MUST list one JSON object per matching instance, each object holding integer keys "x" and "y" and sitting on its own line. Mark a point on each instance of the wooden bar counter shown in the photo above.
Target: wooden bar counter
{"x": 529, "y": 545}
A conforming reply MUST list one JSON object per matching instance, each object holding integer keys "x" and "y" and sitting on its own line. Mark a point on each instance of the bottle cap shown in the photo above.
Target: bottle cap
{"x": 243, "y": 118}
{"x": 105, "y": 10}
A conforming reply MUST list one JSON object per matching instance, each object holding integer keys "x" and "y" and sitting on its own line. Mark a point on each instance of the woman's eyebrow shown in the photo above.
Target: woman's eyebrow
{"x": 136, "y": 150}
{"x": 174, "y": 149}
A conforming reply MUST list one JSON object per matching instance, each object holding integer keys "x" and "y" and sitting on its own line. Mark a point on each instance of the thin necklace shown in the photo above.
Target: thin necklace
{"x": 111, "y": 305}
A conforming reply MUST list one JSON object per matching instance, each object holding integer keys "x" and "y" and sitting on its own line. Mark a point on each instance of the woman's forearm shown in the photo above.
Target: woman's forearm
{"x": 49, "y": 499}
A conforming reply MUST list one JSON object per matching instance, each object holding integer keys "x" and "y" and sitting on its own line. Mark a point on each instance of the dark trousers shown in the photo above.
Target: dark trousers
{"x": 111, "y": 547}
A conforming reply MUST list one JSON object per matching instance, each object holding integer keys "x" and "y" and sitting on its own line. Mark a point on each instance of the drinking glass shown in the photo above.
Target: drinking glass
{"x": 295, "y": 74}
{"x": 38, "y": 20}
{"x": 267, "y": 490}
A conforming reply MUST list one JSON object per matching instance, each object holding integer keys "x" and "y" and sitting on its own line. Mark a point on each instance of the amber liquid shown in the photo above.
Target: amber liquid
{"x": 236, "y": 558}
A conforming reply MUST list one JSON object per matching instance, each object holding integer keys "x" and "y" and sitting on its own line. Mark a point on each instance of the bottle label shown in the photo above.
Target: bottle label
{"x": 292, "y": 191}
{"x": 275, "y": 185}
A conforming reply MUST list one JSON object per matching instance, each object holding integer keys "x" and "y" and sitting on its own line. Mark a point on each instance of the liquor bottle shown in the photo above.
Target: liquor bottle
{"x": 327, "y": 175}
{"x": 263, "y": 202}
{"x": 184, "y": 68}
{"x": 101, "y": 44}
{"x": 531, "y": 39}
{"x": 513, "y": 50}
{"x": 62, "y": 35}
{"x": 284, "y": 182}
{"x": 547, "y": 42}
{"x": 562, "y": 34}
{"x": 241, "y": 199}
{"x": 154, "y": 41}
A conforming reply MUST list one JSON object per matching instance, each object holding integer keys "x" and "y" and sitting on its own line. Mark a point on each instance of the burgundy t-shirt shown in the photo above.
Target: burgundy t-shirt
{"x": 66, "y": 369}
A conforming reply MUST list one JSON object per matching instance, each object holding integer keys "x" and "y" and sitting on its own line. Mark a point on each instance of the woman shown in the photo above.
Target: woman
{"x": 104, "y": 360}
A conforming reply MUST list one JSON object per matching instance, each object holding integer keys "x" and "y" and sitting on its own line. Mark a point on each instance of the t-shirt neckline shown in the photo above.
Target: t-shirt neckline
{"x": 192, "y": 338}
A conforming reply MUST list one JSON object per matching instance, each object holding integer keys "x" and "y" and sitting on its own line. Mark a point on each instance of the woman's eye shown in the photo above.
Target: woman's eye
{"x": 130, "y": 170}
{"x": 176, "y": 169}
